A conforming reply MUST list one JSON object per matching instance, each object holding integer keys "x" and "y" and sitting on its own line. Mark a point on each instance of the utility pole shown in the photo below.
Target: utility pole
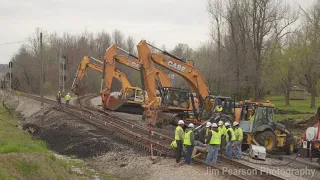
{"x": 41, "y": 79}
{"x": 62, "y": 71}
{"x": 10, "y": 76}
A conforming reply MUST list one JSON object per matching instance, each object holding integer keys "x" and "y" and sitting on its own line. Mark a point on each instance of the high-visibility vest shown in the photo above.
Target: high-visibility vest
{"x": 222, "y": 130}
{"x": 239, "y": 134}
{"x": 218, "y": 109}
{"x": 68, "y": 97}
{"x": 176, "y": 134}
{"x": 215, "y": 138}
{"x": 58, "y": 95}
{"x": 174, "y": 144}
{"x": 233, "y": 136}
{"x": 187, "y": 140}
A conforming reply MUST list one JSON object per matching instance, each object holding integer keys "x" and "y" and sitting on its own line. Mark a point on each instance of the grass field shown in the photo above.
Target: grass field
{"x": 298, "y": 105}
{"x": 21, "y": 157}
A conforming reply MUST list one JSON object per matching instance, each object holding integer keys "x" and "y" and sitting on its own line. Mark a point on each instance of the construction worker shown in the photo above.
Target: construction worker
{"x": 218, "y": 107}
{"x": 58, "y": 97}
{"x": 208, "y": 130}
{"x": 179, "y": 136}
{"x": 251, "y": 117}
{"x": 67, "y": 97}
{"x": 222, "y": 129}
{"x": 239, "y": 137}
{"x": 214, "y": 145}
{"x": 189, "y": 142}
{"x": 230, "y": 138}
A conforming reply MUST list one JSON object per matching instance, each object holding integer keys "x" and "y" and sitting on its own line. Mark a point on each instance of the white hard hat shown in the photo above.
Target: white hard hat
{"x": 220, "y": 123}
{"x": 68, "y": 93}
{"x": 208, "y": 124}
{"x": 191, "y": 125}
{"x": 235, "y": 123}
{"x": 58, "y": 91}
{"x": 227, "y": 124}
{"x": 180, "y": 122}
{"x": 214, "y": 125}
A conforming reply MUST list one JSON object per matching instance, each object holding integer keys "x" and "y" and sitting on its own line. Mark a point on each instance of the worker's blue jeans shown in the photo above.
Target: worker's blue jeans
{"x": 189, "y": 153}
{"x": 59, "y": 101}
{"x": 67, "y": 102}
{"x": 238, "y": 151}
{"x": 212, "y": 155}
{"x": 229, "y": 149}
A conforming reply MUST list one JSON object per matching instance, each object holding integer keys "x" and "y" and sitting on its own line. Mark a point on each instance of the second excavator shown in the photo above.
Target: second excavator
{"x": 133, "y": 95}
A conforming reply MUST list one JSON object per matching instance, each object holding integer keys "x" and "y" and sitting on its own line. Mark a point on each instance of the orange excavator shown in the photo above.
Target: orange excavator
{"x": 111, "y": 58}
{"x": 179, "y": 66}
{"x": 163, "y": 84}
{"x": 132, "y": 94}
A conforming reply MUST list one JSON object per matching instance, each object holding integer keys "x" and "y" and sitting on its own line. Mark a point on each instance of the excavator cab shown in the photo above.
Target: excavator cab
{"x": 210, "y": 104}
{"x": 133, "y": 94}
{"x": 175, "y": 97}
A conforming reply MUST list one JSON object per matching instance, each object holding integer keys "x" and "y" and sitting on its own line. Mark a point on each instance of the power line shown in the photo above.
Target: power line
{"x": 14, "y": 42}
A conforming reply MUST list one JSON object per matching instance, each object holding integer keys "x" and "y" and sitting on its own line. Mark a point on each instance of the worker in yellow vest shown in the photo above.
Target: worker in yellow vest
{"x": 179, "y": 136}
{"x": 214, "y": 145}
{"x": 230, "y": 138}
{"x": 208, "y": 130}
{"x": 239, "y": 138}
{"x": 222, "y": 129}
{"x": 58, "y": 97}
{"x": 189, "y": 142}
{"x": 218, "y": 107}
{"x": 67, "y": 97}
{"x": 251, "y": 117}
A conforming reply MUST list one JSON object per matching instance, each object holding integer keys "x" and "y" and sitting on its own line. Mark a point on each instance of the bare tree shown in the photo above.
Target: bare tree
{"x": 118, "y": 38}
{"x": 215, "y": 9}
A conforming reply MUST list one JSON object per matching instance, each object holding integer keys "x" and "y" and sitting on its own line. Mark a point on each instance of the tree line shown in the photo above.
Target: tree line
{"x": 256, "y": 47}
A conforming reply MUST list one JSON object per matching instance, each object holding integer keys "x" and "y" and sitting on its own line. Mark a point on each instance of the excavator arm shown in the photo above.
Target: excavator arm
{"x": 160, "y": 76}
{"x": 85, "y": 63}
{"x": 173, "y": 64}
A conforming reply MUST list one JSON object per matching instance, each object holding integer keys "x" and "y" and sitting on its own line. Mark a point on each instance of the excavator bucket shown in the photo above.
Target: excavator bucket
{"x": 112, "y": 103}
{"x": 79, "y": 90}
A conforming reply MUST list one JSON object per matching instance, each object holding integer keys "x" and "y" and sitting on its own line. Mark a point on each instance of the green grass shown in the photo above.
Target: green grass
{"x": 281, "y": 117}
{"x": 21, "y": 157}
{"x": 298, "y": 105}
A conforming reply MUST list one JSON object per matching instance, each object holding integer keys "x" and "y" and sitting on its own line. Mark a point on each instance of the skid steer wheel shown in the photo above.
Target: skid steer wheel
{"x": 267, "y": 139}
{"x": 290, "y": 145}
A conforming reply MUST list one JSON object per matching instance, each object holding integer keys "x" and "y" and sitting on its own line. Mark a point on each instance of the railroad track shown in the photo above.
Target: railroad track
{"x": 155, "y": 143}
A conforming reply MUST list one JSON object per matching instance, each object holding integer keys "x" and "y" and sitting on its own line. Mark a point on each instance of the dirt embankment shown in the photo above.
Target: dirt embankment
{"x": 68, "y": 135}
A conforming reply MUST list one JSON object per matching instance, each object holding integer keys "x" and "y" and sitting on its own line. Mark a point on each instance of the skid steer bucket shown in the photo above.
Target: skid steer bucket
{"x": 112, "y": 103}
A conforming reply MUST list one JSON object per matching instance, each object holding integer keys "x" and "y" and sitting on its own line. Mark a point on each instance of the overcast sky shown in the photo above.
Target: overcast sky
{"x": 167, "y": 22}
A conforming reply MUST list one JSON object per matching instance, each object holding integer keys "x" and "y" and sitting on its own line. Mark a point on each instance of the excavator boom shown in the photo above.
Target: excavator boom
{"x": 173, "y": 64}
{"x": 160, "y": 76}
{"x": 85, "y": 63}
